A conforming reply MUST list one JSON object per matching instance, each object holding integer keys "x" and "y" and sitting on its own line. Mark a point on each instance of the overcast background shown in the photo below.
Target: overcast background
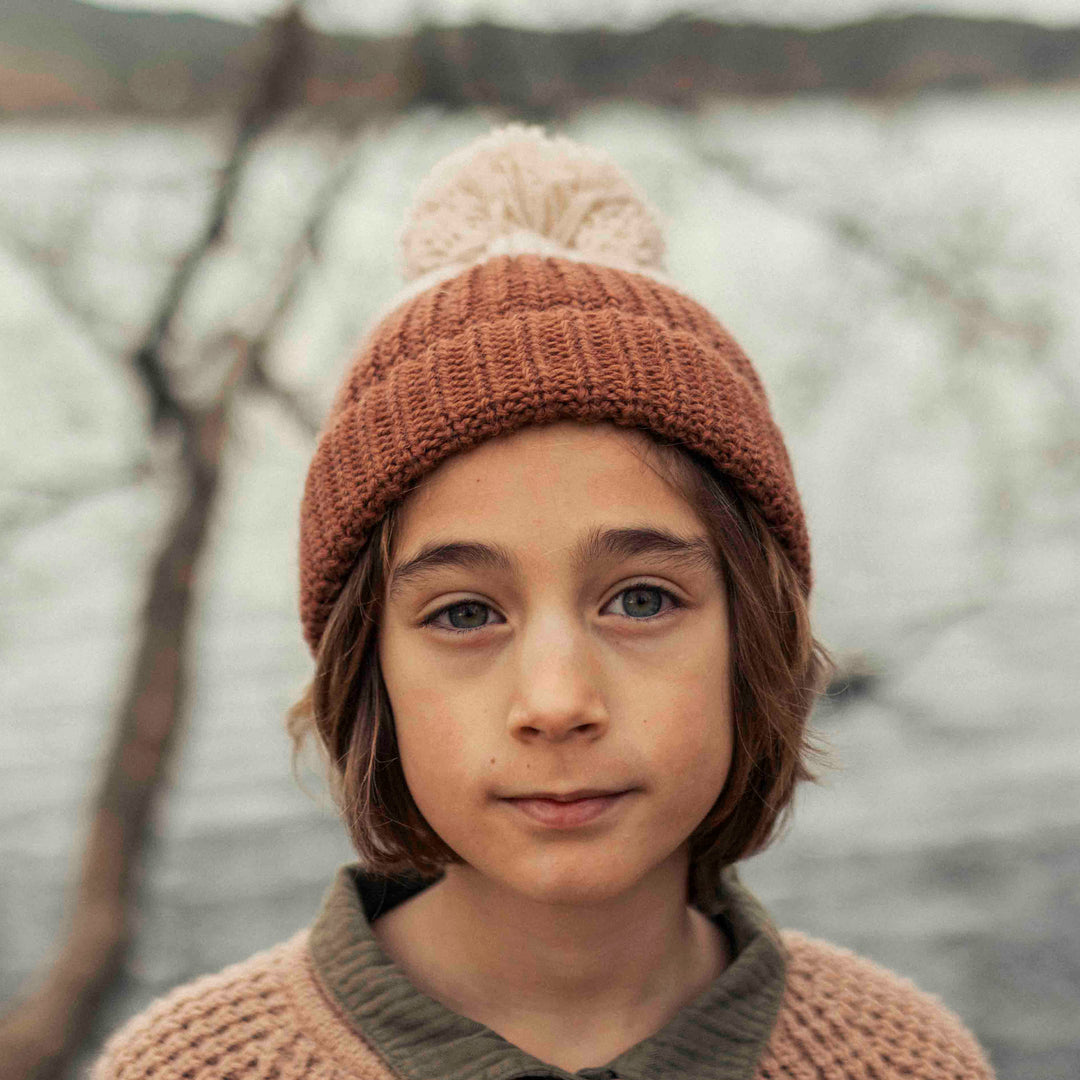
{"x": 889, "y": 228}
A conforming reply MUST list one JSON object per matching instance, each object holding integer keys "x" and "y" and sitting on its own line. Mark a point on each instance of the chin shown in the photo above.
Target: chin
{"x": 561, "y": 880}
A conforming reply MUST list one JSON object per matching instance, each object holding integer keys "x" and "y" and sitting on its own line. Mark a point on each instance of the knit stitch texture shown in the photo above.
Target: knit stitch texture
{"x": 269, "y": 1018}
{"x": 530, "y": 339}
{"x": 517, "y": 188}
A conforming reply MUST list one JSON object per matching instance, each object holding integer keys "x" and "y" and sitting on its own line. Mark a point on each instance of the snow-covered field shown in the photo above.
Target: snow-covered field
{"x": 904, "y": 277}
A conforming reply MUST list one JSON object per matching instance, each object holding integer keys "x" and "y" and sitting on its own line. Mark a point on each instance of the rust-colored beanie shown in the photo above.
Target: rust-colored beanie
{"x": 537, "y": 295}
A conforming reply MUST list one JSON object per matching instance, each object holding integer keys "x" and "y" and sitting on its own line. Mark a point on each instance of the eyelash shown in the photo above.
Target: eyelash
{"x": 676, "y": 603}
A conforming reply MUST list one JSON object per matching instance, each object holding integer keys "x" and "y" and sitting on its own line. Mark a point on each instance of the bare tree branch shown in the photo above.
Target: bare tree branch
{"x": 39, "y": 504}
{"x": 910, "y": 268}
{"x": 862, "y": 675}
{"x": 63, "y": 299}
{"x": 39, "y": 1035}
{"x": 300, "y": 262}
{"x": 273, "y": 92}
{"x": 290, "y": 403}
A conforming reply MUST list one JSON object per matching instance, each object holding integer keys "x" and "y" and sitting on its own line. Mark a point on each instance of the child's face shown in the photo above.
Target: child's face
{"x": 554, "y": 677}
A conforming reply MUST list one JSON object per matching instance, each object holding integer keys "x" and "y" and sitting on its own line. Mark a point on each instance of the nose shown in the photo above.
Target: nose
{"x": 558, "y": 687}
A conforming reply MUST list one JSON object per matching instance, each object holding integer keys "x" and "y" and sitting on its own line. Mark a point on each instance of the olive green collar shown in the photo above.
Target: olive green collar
{"x": 720, "y": 1035}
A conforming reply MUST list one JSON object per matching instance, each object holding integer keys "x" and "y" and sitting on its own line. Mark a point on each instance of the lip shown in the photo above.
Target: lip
{"x": 570, "y": 796}
{"x": 564, "y": 812}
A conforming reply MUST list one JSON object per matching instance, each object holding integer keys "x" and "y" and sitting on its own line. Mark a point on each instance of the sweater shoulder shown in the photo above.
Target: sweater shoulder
{"x": 843, "y": 1015}
{"x": 241, "y": 1021}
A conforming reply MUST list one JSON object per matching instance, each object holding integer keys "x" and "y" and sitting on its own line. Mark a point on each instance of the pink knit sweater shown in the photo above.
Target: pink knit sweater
{"x": 271, "y": 1018}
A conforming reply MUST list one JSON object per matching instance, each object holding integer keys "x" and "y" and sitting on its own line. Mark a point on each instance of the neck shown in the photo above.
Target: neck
{"x": 503, "y": 959}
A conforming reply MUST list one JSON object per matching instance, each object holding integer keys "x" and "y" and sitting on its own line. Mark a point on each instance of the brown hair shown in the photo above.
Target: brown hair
{"x": 778, "y": 669}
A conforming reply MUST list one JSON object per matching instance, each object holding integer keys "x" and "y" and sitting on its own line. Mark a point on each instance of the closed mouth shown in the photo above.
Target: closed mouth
{"x": 571, "y": 796}
{"x": 568, "y": 810}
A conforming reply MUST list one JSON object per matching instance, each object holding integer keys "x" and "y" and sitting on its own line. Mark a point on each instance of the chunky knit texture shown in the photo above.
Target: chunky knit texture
{"x": 270, "y": 1018}
{"x": 529, "y": 339}
{"x": 517, "y": 188}
{"x": 537, "y": 295}
{"x": 719, "y": 1035}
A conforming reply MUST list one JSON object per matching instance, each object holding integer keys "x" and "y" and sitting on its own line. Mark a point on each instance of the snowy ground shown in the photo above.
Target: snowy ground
{"x": 905, "y": 279}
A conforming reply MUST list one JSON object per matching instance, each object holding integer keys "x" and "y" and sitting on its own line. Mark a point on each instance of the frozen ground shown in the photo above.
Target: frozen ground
{"x": 904, "y": 277}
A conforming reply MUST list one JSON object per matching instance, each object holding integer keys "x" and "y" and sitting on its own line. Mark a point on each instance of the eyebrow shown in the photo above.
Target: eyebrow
{"x": 692, "y": 553}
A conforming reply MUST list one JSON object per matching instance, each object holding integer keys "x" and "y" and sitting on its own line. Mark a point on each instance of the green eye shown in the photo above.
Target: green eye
{"x": 643, "y": 601}
{"x": 472, "y": 610}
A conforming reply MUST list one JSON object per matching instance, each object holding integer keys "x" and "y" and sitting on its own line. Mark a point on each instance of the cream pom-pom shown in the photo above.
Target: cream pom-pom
{"x": 519, "y": 190}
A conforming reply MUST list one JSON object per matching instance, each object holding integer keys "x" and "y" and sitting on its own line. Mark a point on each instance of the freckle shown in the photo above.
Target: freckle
{"x": 492, "y": 762}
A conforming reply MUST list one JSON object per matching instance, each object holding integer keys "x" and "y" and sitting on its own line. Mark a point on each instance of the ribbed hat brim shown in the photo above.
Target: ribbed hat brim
{"x": 458, "y": 366}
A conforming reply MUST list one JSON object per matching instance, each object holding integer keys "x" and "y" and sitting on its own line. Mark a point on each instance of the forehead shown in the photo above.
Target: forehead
{"x": 543, "y": 474}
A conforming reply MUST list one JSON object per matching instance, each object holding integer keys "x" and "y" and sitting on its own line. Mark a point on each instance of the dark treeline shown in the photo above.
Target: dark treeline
{"x": 69, "y": 56}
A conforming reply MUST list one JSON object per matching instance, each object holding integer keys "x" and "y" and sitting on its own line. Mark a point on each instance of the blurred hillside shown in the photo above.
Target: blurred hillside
{"x": 67, "y": 56}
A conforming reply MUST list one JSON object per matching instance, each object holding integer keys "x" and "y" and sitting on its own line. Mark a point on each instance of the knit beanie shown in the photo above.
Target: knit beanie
{"x": 537, "y": 294}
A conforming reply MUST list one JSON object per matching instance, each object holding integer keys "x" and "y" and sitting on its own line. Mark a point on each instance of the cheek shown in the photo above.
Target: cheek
{"x": 699, "y": 752}
{"x": 440, "y": 751}
{"x": 440, "y": 734}
{"x": 691, "y": 735}
{"x": 436, "y": 775}
{"x": 690, "y": 676}
{"x": 428, "y": 736}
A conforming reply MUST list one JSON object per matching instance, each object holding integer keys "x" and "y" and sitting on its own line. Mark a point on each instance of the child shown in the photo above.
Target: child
{"x": 555, "y": 575}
